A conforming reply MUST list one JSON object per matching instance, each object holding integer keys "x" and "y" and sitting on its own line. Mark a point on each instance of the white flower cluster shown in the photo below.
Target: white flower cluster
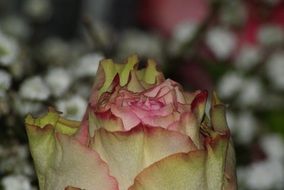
{"x": 15, "y": 161}
{"x": 268, "y": 173}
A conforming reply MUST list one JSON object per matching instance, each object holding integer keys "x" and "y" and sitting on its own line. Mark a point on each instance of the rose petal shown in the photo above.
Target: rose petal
{"x": 179, "y": 172}
{"x": 189, "y": 96}
{"x": 143, "y": 113}
{"x": 153, "y": 92}
{"x": 128, "y": 153}
{"x": 208, "y": 169}
{"x": 104, "y": 120}
{"x": 58, "y": 158}
{"x": 124, "y": 74}
{"x": 129, "y": 119}
{"x": 76, "y": 165}
{"x": 134, "y": 84}
{"x": 198, "y": 104}
{"x": 195, "y": 170}
{"x": 161, "y": 121}
{"x": 219, "y": 124}
{"x": 188, "y": 125}
{"x": 150, "y": 75}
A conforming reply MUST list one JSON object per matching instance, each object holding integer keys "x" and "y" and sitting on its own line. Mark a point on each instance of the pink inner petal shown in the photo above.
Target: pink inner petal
{"x": 129, "y": 119}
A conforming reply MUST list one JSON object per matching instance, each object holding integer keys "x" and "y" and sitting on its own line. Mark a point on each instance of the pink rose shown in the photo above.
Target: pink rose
{"x": 140, "y": 131}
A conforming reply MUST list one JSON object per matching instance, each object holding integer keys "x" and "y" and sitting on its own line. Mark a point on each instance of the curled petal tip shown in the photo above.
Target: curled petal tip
{"x": 215, "y": 99}
{"x": 198, "y": 104}
{"x": 199, "y": 99}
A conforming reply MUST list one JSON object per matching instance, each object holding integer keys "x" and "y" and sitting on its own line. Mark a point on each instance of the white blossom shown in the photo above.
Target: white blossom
{"x": 270, "y": 35}
{"x": 231, "y": 120}
{"x": 242, "y": 172}
{"x": 248, "y": 57}
{"x": 23, "y": 107}
{"x": 251, "y": 92}
{"x": 38, "y": 9}
{"x": 58, "y": 81}
{"x": 141, "y": 43}
{"x": 8, "y": 49}
{"x": 245, "y": 127}
{"x": 16, "y": 182}
{"x": 87, "y": 65}
{"x": 182, "y": 33}
{"x": 5, "y": 80}
{"x": 264, "y": 175}
{"x": 221, "y": 41}
{"x": 275, "y": 70}
{"x": 16, "y": 26}
{"x": 273, "y": 146}
{"x": 34, "y": 88}
{"x": 230, "y": 84}
{"x": 15, "y": 159}
{"x": 73, "y": 107}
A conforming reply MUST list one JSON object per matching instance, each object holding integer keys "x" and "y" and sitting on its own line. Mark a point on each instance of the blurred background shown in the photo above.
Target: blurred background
{"x": 50, "y": 50}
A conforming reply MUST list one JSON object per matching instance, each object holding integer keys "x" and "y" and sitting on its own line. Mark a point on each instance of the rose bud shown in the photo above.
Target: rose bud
{"x": 140, "y": 132}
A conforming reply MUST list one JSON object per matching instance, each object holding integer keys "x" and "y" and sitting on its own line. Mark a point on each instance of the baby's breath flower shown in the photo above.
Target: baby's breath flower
{"x": 87, "y": 65}
{"x": 8, "y": 49}
{"x": 144, "y": 44}
{"x": 246, "y": 127}
{"x": 183, "y": 32}
{"x": 16, "y": 182}
{"x": 251, "y": 92}
{"x": 273, "y": 144}
{"x": 230, "y": 84}
{"x": 58, "y": 81}
{"x": 72, "y": 107}
{"x": 221, "y": 41}
{"x": 5, "y": 80}
{"x": 275, "y": 70}
{"x": 248, "y": 57}
{"x": 34, "y": 88}
{"x": 24, "y": 107}
{"x": 265, "y": 175}
{"x": 270, "y": 35}
{"x": 16, "y": 26}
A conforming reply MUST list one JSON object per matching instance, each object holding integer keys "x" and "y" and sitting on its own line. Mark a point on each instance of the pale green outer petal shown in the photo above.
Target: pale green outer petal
{"x": 109, "y": 73}
{"x": 219, "y": 123}
{"x": 76, "y": 165}
{"x": 42, "y": 143}
{"x": 111, "y": 69}
{"x": 215, "y": 165}
{"x": 182, "y": 171}
{"x": 151, "y": 72}
{"x": 64, "y": 126}
{"x": 134, "y": 84}
{"x": 230, "y": 179}
{"x": 40, "y": 132}
{"x": 108, "y": 70}
{"x": 128, "y": 153}
{"x": 196, "y": 170}
{"x": 60, "y": 160}
{"x": 124, "y": 74}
